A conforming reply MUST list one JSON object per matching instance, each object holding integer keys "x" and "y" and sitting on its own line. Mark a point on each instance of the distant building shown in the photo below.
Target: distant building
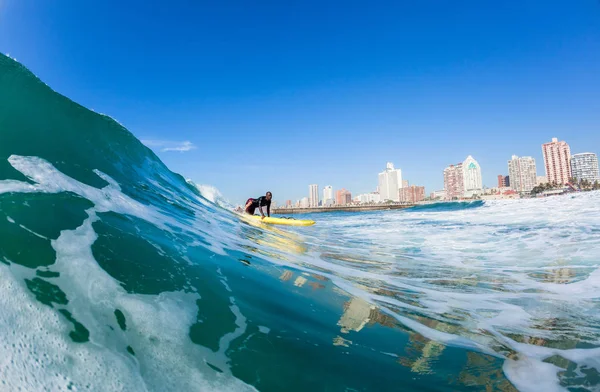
{"x": 343, "y": 197}
{"x": 503, "y": 181}
{"x": 541, "y": 180}
{"x": 454, "y": 183}
{"x": 390, "y": 180}
{"x": 584, "y": 166}
{"x": 463, "y": 179}
{"x": 404, "y": 183}
{"x": 438, "y": 195}
{"x": 304, "y": 203}
{"x": 412, "y": 194}
{"x": 557, "y": 159}
{"x": 288, "y": 203}
{"x": 522, "y": 173}
{"x": 367, "y": 198}
{"x": 328, "y": 195}
{"x": 472, "y": 177}
{"x": 313, "y": 195}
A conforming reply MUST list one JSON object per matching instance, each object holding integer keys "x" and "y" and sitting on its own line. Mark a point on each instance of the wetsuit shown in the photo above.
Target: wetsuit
{"x": 258, "y": 203}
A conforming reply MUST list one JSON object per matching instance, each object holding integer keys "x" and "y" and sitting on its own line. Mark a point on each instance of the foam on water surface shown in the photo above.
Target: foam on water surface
{"x": 154, "y": 353}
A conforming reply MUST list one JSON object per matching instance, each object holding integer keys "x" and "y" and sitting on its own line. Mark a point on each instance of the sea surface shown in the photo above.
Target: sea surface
{"x": 117, "y": 274}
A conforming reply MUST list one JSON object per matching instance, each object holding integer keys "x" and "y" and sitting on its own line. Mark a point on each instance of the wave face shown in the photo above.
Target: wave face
{"x": 118, "y": 275}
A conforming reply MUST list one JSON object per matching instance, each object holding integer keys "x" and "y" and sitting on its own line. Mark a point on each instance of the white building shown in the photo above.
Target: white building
{"x": 368, "y": 198}
{"x": 584, "y": 166}
{"x": 522, "y": 173}
{"x": 304, "y": 202}
{"x": 390, "y": 181}
{"x": 313, "y": 195}
{"x": 473, "y": 184}
{"x": 328, "y": 195}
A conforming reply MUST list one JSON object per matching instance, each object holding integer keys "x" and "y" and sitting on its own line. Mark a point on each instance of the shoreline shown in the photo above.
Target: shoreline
{"x": 310, "y": 210}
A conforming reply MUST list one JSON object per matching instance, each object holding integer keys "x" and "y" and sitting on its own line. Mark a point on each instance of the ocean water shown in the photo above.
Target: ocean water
{"x": 118, "y": 275}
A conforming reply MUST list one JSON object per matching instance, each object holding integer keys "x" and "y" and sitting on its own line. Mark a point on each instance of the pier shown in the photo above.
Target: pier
{"x": 357, "y": 208}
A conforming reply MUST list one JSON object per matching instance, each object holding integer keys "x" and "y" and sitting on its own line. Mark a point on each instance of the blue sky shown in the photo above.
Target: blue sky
{"x": 278, "y": 95}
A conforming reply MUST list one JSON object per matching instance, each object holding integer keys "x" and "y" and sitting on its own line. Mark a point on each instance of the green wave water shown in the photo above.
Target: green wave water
{"x": 118, "y": 275}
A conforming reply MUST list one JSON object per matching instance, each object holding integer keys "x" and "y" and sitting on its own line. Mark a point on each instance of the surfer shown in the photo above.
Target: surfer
{"x": 252, "y": 204}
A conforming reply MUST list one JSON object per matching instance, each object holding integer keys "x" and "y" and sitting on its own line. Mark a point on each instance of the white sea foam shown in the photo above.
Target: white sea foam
{"x": 527, "y": 267}
{"x": 44, "y": 358}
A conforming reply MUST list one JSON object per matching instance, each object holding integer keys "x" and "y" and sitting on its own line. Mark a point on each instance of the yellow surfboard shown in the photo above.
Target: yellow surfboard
{"x": 281, "y": 221}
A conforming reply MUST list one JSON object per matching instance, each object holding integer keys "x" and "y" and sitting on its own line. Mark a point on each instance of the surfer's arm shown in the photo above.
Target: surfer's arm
{"x": 269, "y": 210}
{"x": 260, "y": 206}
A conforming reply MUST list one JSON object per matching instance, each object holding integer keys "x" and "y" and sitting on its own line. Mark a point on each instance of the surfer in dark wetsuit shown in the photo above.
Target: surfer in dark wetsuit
{"x": 252, "y": 204}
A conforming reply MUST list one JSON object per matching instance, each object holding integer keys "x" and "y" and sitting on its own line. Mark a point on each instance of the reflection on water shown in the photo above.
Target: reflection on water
{"x": 356, "y": 315}
{"x": 460, "y": 291}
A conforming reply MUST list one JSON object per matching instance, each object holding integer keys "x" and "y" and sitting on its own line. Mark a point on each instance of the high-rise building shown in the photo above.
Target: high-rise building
{"x": 343, "y": 197}
{"x": 390, "y": 180}
{"x": 328, "y": 195}
{"x": 454, "y": 183}
{"x": 584, "y": 166}
{"x": 304, "y": 202}
{"x": 522, "y": 172}
{"x": 313, "y": 195}
{"x": 404, "y": 183}
{"x": 557, "y": 159}
{"x": 348, "y": 196}
{"x": 472, "y": 177}
{"x": 412, "y": 194}
{"x": 288, "y": 203}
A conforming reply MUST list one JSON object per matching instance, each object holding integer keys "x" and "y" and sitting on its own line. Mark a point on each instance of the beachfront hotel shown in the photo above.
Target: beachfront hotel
{"x": 463, "y": 179}
{"x": 454, "y": 184}
{"x": 522, "y": 173}
{"x": 472, "y": 177}
{"x": 390, "y": 181}
{"x": 584, "y": 166}
{"x": 313, "y": 195}
{"x": 328, "y": 195}
{"x": 557, "y": 161}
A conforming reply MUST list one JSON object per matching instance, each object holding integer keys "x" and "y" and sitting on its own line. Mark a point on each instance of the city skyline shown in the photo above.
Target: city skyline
{"x": 485, "y": 90}
{"x": 464, "y": 179}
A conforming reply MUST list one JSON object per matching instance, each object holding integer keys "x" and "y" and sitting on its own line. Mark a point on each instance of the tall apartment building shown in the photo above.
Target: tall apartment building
{"x": 584, "y": 166}
{"x": 313, "y": 195}
{"x": 390, "y": 180}
{"x": 472, "y": 177}
{"x": 328, "y": 195}
{"x": 454, "y": 184}
{"x": 522, "y": 172}
{"x": 557, "y": 161}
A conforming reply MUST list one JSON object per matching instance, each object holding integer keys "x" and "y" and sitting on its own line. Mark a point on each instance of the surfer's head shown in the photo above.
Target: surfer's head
{"x": 269, "y": 196}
